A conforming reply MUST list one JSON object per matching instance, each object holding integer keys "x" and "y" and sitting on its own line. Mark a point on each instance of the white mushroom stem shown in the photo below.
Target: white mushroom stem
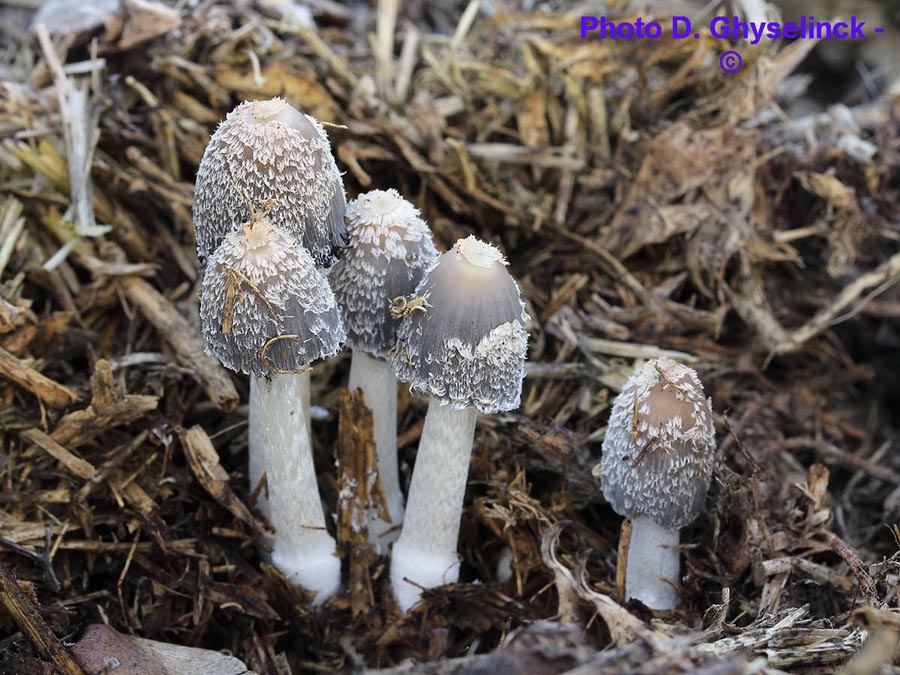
{"x": 303, "y": 549}
{"x": 257, "y": 463}
{"x": 306, "y": 397}
{"x": 379, "y": 385}
{"x": 425, "y": 553}
{"x": 653, "y": 557}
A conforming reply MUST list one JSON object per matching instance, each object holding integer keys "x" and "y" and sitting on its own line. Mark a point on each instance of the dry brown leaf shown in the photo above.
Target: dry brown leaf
{"x": 677, "y": 160}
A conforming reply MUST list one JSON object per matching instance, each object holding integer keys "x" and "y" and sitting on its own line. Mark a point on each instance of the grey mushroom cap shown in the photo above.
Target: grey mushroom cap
{"x": 268, "y": 150}
{"x": 662, "y": 468}
{"x": 390, "y": 249}
{"x": 264, "y": 306}
{"x": 468, "y": 347}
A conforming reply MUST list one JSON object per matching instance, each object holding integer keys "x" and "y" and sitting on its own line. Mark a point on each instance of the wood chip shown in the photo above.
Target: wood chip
{"x": 51, "y": 393}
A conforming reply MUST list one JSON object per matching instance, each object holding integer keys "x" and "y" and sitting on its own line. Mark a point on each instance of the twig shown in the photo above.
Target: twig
{"x": 51, "y": 393}
{"x": 81, "y": 135}
{"x": 857, "y": 567}
{"x": 383, "y": 47}
{"x": 847, "y": 459}
{"x": 27, "y": 617}
{"x": 632, "y": 350}
{"x": 868, "y": 116}
{"x": 188, "y": 344}
{"x": 11, "y": 226}
{"x": 881, "y": 278}
{"x": 43, "y": 558}
{"x": 409, "y": 56}
{"x": 337, "y": 64}
{"x": 204, "y": 462}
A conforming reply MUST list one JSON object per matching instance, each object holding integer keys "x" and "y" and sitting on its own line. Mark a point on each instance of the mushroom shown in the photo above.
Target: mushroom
{"x": 467, "y": 352}
{"x": 268, "y": 151}
{"x": 390, "y": 248}
{"x": 268, "y": 312}
{"x": 656, "y": 468}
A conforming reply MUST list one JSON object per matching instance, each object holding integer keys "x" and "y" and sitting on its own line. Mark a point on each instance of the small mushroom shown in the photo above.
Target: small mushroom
{"x": 467, "y": 352}
{"x": 267, "y": 151}
{"x": 390, "y": 248}
{"x": 656, "y": 468}
{"x": 268, "y": 312}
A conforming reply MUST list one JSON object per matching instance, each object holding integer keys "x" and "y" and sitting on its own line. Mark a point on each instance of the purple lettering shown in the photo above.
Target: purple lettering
{"x": 720, "y": 27}
{"x": 686, "y": 27}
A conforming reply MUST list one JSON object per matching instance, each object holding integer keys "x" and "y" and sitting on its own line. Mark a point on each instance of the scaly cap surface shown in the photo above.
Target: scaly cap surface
{"x": 264, "y": 306}
{"x": 390, "y": 248}
{"x": 468, "y": 348}
{"x": 269, "y": 150}
{"x": 660, "y": 445}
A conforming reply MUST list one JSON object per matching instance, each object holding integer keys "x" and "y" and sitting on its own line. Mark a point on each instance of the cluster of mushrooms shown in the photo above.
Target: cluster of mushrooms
{"x": 291, "y": 273}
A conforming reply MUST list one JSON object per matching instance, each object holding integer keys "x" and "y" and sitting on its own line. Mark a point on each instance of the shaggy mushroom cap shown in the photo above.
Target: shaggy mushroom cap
{"x": 390, "y": 248}
{"x": 264, "y": 306}
{"x": 268, "y": 150}
{"x": 660, "y": 445}
{"x": 467, "y": 348}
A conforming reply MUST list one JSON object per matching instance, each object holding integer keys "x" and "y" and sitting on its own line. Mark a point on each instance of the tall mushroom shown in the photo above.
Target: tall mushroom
{"x": 656, "y": 468}
{"x": 270, "y": 151}
{"x": 268, "y": 312}
{"x": 390, "y": 248}
{"x": 467, "y": 352}
{"x": 267, "y": 152}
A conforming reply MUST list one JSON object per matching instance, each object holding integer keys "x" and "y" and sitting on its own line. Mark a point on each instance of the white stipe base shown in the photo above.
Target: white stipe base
{"x": 653, "y": 556}
{"x": 426, "y": 552}
{"x": 413, "y": 567}
{"x": 318, "y": 569}
{"x": 303, "y": 549}
{"x": 379, "y": 385}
